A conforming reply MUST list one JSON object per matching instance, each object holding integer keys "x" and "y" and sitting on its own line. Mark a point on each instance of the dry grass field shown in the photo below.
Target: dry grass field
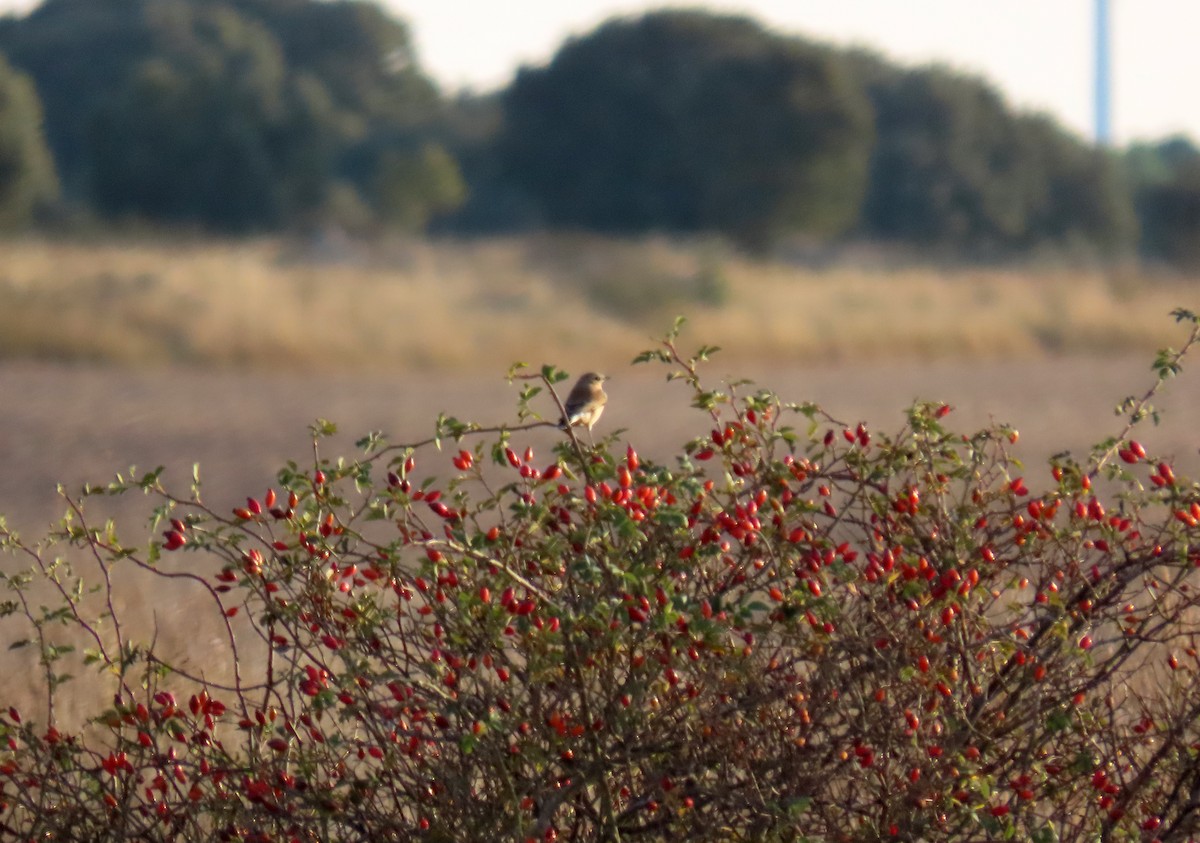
{"x": 417, "y": 306}
{"x": 176, "y": 353}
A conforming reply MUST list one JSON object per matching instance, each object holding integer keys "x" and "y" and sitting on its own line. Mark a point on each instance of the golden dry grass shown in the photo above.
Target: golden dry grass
{"x": 577, "y": 300}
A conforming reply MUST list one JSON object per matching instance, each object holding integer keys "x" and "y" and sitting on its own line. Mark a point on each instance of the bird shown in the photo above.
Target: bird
{"x": 585, "y": 403}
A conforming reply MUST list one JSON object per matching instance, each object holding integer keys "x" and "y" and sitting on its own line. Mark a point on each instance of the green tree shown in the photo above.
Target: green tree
{"x": 1166, "y": 179}
{"x": 412, "y": 186}
{"x": 362, "y": 56}
{"x": 955, "y": 167}
{"x": 235, "y": 115}
{"x": 201, "y": 134}
{"x": 1086, "y": 199}
{"x": 75, "y": 51}
{"x": 383, "y": 109}
{"x": 686, "y": 121}
{"x": 470, "y": 127}
{"x": 27, "y": 177}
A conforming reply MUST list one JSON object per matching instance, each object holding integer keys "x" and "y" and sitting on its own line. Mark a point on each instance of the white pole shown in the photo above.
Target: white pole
{"x": 1103, "y": 103}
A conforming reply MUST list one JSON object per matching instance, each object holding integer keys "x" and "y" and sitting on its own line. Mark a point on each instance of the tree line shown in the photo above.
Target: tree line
{"x": 257, "y": 115}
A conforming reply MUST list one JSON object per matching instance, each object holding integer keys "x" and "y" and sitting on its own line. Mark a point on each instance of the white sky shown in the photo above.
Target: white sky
{"x": 1038, "y": 52}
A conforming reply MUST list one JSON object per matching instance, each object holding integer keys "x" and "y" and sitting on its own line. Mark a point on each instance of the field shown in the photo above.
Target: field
{"x": 417, "y": 306}
{"x": 174, "y": 354}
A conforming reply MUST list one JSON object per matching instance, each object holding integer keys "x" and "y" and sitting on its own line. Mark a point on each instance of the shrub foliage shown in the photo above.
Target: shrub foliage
{"x": 799, "y": 629}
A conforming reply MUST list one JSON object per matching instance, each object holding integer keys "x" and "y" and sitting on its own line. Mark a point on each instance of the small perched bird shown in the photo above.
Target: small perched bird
{"x": 585, "y": 403}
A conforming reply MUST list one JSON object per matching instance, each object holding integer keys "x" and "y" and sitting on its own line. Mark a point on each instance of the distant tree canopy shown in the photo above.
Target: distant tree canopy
{"x": 236, "y": 115}
{"x": 1166, "y": 179}
{"x": 954, "y": 167}
{"x": 27, "y": 179}
{"x": 243, "y": 115}
{"x": 685, "y": 121}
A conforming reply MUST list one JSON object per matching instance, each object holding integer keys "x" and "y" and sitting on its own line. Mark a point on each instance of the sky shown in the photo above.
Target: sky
{"x": 1037, "y": 52}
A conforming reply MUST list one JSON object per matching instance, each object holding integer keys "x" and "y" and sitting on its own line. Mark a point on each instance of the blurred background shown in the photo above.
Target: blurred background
{"x": 224, "y": 218}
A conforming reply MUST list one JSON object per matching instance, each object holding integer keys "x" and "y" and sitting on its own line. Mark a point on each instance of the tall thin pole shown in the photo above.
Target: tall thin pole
{"x": 1103, "y": 76}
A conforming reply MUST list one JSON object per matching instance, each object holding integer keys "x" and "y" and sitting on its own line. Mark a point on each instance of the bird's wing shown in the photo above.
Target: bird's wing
{"x": 578, "y": 398}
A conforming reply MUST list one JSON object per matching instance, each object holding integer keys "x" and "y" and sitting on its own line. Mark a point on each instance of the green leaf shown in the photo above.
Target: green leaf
{"x": 150, "y": 480}
{"x": 799, "y": 805}
{"x": 1057, "y": 721}
{"x": 671, "y": 518}
{"x": 371, "y": 442}
{"x": 552, "y": 374}
{"x": 322, "y": 428}
{"x": 653, "y": 354}
{"x": 1084, "y": 762}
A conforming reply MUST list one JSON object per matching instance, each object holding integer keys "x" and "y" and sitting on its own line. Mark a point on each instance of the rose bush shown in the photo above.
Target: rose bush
{"x": 799, "y": 630}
